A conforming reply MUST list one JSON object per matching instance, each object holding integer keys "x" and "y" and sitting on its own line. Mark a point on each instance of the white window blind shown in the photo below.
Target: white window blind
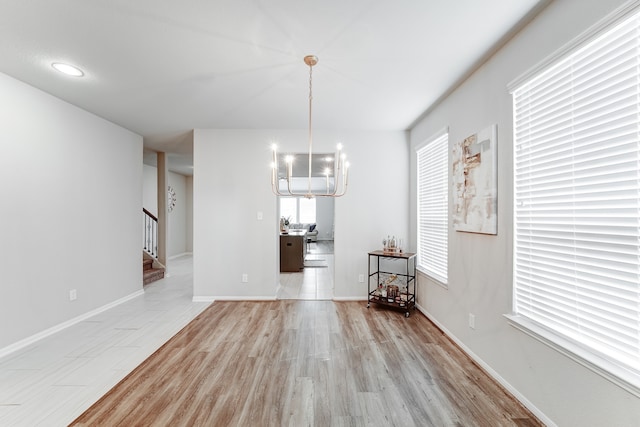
{"x": 298, "y": 209}
{"x": 289, "y": 208}
{"x": 577, "y": 197}
{"x": 307, "y": 210}
{"x": 433, "y": 204}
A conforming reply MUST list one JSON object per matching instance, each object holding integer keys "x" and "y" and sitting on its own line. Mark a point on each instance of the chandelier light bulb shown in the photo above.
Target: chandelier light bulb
{"x": 339, "y": 181}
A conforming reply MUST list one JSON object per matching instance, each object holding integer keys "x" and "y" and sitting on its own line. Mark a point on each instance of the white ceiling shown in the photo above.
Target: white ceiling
{"x": 163, "y": 67}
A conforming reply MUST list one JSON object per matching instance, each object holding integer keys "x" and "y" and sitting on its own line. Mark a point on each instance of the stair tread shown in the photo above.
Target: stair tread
{"x": 147, "y": 264}
{"x": 152, "y": 274}
{"x": 149, "y": 273}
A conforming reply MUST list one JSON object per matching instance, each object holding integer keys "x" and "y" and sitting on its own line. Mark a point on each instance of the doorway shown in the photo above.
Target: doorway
{"x": 316, "y": 280}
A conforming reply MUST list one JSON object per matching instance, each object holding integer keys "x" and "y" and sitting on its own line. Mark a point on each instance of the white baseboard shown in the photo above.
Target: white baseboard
{"x": 202, "y": 299}
{"x": 181, "y": 255}
{"x": 237, "y": 298}
{"x": 492, "y": 373}
{"x": 258, "y": 298}
{"x": 232, "y": 298}
{"x": 358, "y": 298}
{"x": 57, "y": 328}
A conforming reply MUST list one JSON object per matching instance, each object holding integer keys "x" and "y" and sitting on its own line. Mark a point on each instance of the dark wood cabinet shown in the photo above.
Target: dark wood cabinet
{"x": 293, "y": 250}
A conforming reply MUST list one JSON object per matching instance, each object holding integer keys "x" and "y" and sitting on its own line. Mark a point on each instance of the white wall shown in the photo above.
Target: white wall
{"x": 480, "y": 266}
{"x": 150, "y": 189}
{"x": 189, "y": 213}
{"x": 232, "y": 184}
{"x": 325, "y": 212}
{"x": 180, "y": 218}
{"x": 70, "y": 211}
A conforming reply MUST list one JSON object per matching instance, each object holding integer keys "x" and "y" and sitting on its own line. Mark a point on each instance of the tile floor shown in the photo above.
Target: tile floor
{"x": 54, "y": 380}
{"x": 314, "y": 282}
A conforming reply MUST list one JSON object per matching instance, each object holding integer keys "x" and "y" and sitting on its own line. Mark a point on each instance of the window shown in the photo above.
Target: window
{"x": 577, "y": 203}
{"x": 433, "y": 207}
{"x": 306, "y": 210}
{"x": 299, "y": 210}
{"x": 289, "y": 208}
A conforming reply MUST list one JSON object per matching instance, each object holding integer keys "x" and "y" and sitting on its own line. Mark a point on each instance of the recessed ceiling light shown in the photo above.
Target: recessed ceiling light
{"x": 67, "y": 69}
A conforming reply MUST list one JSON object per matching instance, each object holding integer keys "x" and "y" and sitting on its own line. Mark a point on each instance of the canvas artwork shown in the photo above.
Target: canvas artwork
{"x": 475, "y": 183}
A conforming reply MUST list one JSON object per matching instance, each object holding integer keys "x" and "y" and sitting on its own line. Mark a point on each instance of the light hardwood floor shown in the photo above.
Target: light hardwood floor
{"x": 307, "y": 363}
{"x": 52, "y": 381}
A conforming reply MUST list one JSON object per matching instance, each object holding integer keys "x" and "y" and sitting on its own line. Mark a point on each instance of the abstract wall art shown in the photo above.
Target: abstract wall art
{"x": 475, "y": 183}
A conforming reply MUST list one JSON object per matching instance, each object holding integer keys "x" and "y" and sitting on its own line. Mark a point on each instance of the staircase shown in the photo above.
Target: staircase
{"x": 150, "y": 248}
{"x": 150, "y": 274}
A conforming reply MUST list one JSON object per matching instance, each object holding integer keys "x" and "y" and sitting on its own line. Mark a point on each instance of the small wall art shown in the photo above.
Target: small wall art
{"x": 475, "y": 183}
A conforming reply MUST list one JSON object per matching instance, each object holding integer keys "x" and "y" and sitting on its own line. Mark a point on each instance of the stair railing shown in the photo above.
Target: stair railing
{"x": 150, "y": 238}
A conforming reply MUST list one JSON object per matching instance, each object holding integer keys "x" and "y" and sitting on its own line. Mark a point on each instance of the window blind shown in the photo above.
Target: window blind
{"x": 577, "y": 197}
{"x": 433, "y": 204}
{"x": 298, "y": 209}
{"x": 289, "y": 208}
{"x": 307, "y": 212}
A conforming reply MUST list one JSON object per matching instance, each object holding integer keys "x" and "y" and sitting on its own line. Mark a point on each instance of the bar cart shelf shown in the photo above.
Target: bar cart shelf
{"x": 393, "y": 283}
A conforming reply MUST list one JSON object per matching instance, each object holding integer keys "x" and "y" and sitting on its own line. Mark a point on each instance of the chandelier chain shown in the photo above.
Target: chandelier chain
{"x": 340, "y": 175}
{"x": 310, "y": 127}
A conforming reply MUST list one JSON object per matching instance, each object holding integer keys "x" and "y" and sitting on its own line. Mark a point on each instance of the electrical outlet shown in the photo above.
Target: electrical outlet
{"x": 472, "y": 321}
{"x": 260, "y": 216}
{"x": 245, "y": 278}
{"x": 361, "y": 278}
{"x": 73, "y": 295}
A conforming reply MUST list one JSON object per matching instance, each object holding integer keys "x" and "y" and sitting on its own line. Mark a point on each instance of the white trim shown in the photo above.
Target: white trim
{"x": 358, "y": 298}
{"x": 180, "y": 255}
{"x": 588, "y": 35}
{"x": 239, "y": 298}
{"x": 202, "y": 299}
{"x": 245, "y": 298}
{"x": 278, "y": 289}
{"x": 601, "y": 366}
{"x": 492, "y": 373}
{"x": 64, "y": 325}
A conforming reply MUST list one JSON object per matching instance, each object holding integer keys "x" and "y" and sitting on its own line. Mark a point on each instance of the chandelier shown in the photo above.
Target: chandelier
{"x": 335, "y": 176}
